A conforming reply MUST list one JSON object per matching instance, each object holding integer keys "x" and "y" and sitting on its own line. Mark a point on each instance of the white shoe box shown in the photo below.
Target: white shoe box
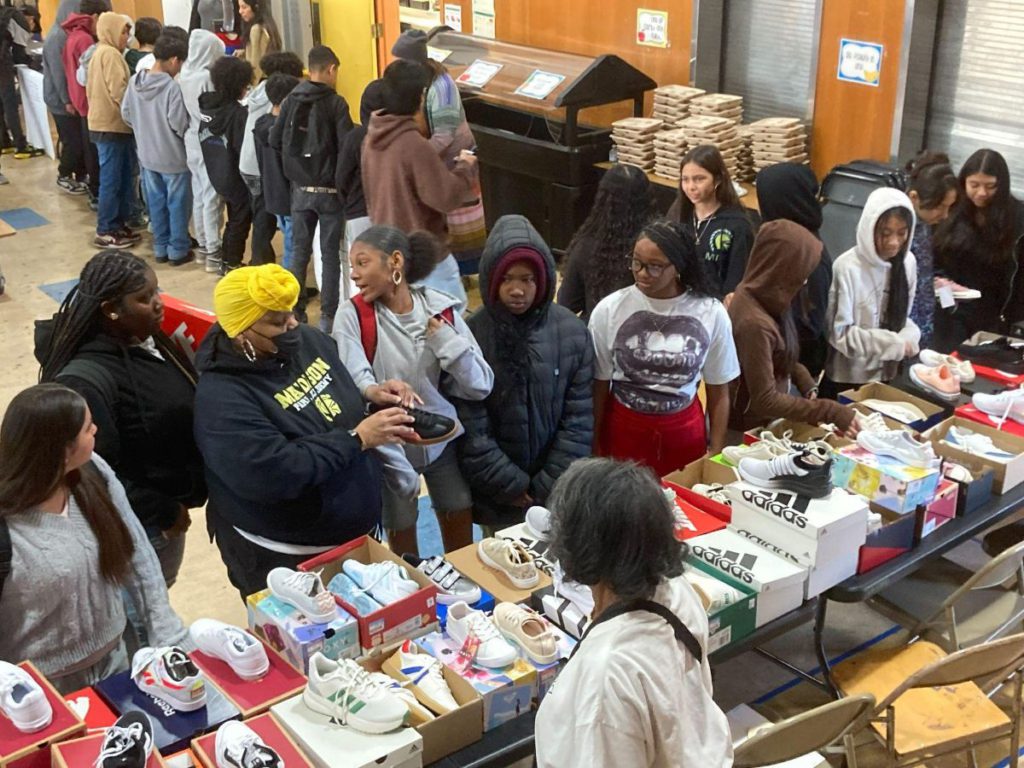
{"x": 331, "y": 745}
{"x": 822, "y": 535}
{"x": 779, "y": 582}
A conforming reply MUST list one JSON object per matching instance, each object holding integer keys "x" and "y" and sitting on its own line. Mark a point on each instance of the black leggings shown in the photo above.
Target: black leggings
{"x": 72, "y": 148}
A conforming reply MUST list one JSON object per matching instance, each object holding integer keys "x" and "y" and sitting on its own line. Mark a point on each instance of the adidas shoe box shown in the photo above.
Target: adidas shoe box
{"x": 32, "y": 750}
{"x": 730, "y": 622}
{"x": 286, "y": 629}
{"x": 779, "y": 583}
{"x": 79, "y": 753}
{"x": 408, "y": 617}
{"x": 172, "y": 730}
{"x": 822, "y": 535}
{"x": 252, "y": 697}
{"x": 327, "y": 744}
{"x": 886, "y": 481}
{"x": 268, "y": 729}
{"x": 1006, "y": 475}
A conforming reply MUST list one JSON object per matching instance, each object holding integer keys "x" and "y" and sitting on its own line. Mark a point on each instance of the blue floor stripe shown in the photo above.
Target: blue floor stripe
{"x": 832, "y": 662}
{"x": 1005, "y": 763}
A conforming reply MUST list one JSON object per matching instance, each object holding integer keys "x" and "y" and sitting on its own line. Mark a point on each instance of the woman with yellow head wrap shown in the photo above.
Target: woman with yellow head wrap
{"x": 281, "y": 428}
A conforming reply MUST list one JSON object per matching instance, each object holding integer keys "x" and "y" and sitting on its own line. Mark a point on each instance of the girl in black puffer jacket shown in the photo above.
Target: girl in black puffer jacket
{"x": 539, "y": 418}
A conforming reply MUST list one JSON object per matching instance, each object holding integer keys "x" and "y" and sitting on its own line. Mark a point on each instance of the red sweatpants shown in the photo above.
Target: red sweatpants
{"x": 664, "y": 443}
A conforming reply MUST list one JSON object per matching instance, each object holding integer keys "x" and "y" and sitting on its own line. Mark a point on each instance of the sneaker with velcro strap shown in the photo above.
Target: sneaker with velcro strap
{"x": 451, "y": 585}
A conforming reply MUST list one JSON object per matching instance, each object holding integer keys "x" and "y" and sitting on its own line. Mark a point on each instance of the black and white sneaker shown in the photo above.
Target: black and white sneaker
{"x": 128, "y": 743}
{"x": 239, "y": 746}
{"x": 451, "y": 585}
{"x": 805, "y": 474}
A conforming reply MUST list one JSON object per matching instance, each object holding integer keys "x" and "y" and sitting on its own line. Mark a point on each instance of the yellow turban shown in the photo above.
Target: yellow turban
{"x": 244, "y": 295}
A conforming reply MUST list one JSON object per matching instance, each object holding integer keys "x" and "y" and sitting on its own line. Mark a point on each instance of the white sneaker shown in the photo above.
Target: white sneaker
{"x": 979, "y": 445}
{"x": 871, "y": 422}
{"x": 805, "y": 474}
{"x": 956, "y": 472}
{"x": 576, "y": 593}
{"x": 780, "y": 446}
{"x": 538, "y": 522}
{"x": 1002, "y": 406}
{"x": 898, "y": 444}
{"x": 305, "y": 591}
{"x": 386, "y": 582}
{"x": 494, "y": 650}
{"x": 762, "y": 449}
{"x": 345, "y": 692}
{"x": 239, "y": 746}
{"x": 906, "y": 413}
{"x": 962, "y": 369}
{"x": 23, "y": 700}
{"x": 418, "y": 714}
{"x": 451, "y": 585}
{"x": 511, "y": 559}
{"x": 523, "y": 627}
{"x": 422, "y": 673}
{"x": 713, "y": 491}
{"x": 170, "y": 675}
{"x": 241, "y": 651}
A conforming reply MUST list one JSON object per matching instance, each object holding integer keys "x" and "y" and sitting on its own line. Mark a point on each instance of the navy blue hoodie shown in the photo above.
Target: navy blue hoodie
{"x": 274, "y": 434}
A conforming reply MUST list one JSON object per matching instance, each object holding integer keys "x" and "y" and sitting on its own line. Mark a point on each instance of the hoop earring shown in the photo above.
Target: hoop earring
{"x": 113, "y": 316}
{"x": 248, "y": 350}
{"x": 396, "y": 277}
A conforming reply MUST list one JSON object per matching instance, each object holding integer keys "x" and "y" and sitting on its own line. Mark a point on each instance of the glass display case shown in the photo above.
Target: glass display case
{"x": 523, "y": 104}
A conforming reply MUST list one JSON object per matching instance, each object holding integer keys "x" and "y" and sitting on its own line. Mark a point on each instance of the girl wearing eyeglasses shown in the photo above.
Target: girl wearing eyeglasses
{"x": 654, "y": 342}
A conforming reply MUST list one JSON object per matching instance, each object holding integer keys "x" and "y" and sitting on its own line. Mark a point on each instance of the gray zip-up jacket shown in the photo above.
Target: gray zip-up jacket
{"x": 407, "y": 353}
{"x": 154, "y": 109}
{"x": 55, "y": 83}
{"x": 259, "y": 105}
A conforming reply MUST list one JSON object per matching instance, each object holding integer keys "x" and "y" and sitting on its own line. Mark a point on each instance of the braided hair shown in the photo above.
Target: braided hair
{"x": 107, "y": 276}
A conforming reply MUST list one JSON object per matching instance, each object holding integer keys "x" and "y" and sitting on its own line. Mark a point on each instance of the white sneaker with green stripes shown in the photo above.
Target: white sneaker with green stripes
{"x": 347, "y": 694}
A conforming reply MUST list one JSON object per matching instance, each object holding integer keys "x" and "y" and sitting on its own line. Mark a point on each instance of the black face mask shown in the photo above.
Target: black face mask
{"x": 288, "y": 344}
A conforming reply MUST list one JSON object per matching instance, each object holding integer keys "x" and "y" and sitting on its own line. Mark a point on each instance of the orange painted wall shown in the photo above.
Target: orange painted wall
{"x": 854, "y": 121}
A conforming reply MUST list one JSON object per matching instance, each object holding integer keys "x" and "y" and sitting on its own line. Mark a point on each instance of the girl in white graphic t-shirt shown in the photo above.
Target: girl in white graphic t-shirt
{"x": 654, "y": 342}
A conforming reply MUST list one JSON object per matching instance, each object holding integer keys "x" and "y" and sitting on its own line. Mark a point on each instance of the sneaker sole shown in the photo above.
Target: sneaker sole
{"x": 32, "y": 726}
{"x": 951, "y": 397}
{"x": 316, "y": 618}
{"x": 517, "y": 583}
{"x": 435, "y": 440}
{"x": 888, "y": 453}
{"x": 445, "y": 598}
{"x": 212, "y": 269}
{"x": 812, "y": 489}
{"x": 115, "y": 247}
{"x": 319, "y": 704}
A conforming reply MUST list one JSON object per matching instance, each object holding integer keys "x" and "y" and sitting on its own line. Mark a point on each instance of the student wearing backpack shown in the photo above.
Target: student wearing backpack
{"x": 275, "y": 188}
{"x": 106, "y": 344}
{"x": 395, "y": 330}
{"x": 309, "y": 134}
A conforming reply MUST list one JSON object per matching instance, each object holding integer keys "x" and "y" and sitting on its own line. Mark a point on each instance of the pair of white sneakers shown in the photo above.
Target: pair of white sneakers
{"x": 384, "y": 582}
{"x": 900, "y": 445}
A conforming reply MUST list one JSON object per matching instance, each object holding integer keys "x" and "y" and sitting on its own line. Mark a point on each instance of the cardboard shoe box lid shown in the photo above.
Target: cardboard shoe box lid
{"x": 65, "y": 723}
{"x": 467, "y": 561}
{"x": 706, "y": 471}
{"x": 691, "y": 521}
{"x": 268, "y": 729}
{"x": 89, "y": 706}
{"x": 1007, "y": 475}
{"x": 252, "y": 697}
{"x": 876, "y": 390}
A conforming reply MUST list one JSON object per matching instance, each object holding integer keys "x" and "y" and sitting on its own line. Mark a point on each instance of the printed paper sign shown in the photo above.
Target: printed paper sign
{"x": 438, "y": 54}
{"x": 652, "y": 28}
{"x": 860, "y": 62}
{"x": 453, "y": 16}
{"x": 483, "y": 25}
{"x": 539, "y": 84}
{"x": 479, "y": 73}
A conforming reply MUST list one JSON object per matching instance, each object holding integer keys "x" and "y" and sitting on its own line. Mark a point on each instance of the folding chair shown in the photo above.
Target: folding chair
{"x": 816, "y": 730}
{"x": 972, "y": 608}
{"x": 930, "y": 704}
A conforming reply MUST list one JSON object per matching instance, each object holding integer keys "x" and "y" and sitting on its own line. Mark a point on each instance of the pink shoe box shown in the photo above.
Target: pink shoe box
{"x": 82, "y": 753}
{"x": 404, "y": 618}
{"x": 88, "y": 705}
{"x": 693, "y": 521}
{"x": 273, "y": 735}
{"x": 32, "y": 750}
{"x": 939, "y": 511}
{"x": 1006, "y": 475}
{"x": 883, "y": 480}
{"x": 287, "y": 630}
{"x": 897, "y": 536}
{"x": 972, "y": 413}
{"x": 705, "y": 471}
{"x": 252, "y": 697}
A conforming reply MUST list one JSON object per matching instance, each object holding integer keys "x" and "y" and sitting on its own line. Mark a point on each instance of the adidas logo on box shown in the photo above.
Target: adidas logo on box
{"x": 736, "y": 564}
{"x": 788, "y": 507}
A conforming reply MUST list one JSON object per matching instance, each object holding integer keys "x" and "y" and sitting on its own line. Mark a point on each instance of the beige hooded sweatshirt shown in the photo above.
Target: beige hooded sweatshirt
{"x": 108, "y": 76}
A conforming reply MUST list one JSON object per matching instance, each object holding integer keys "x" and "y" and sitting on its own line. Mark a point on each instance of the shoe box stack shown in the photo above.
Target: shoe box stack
{"x": 634, "y": 141}
{"x": 778, "y": 140}
{"x": 669, "y": 148}
{"x": 672, "y": 102}
{"x": 719, "y": 131}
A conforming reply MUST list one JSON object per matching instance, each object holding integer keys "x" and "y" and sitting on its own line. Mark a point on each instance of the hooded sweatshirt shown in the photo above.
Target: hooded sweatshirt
{"x": 785, "y": 254}
{"x": 280, "y": 462}
{"x": 309, "y": 133}
{"x": 81, "y": 32}
{"x": 406, "y": 352}
{"x": 539, "y": 417}
{"x": 277, "y": 190}
{"x": 861, "y": 349}
{"x": 723, "y": 242}
{"x": 258, "y": 104}
{"x": 154, "y": 109}
{"x": 221, "y": 137}
{"x": 108, "y": 78}
{"x": 406, "y": 183}
{"x": 790, "y": 191}
{"x": 204, "y": 49}
{"x": 55, "y": 82}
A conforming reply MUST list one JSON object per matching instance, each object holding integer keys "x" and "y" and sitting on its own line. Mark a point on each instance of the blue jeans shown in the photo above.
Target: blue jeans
{"x": 284, "y": 223}
{"x": 169, "y": 196}
{"x": 117, "y": 200}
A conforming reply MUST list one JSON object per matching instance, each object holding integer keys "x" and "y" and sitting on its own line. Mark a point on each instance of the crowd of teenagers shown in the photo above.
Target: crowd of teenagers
{"x": 298, "y": 439}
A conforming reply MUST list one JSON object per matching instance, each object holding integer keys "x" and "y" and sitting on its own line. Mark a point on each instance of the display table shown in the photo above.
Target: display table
{"x": 665, "y": 190}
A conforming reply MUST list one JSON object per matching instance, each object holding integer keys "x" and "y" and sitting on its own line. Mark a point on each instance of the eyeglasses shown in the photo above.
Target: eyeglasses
{"x": 654, "y": 270}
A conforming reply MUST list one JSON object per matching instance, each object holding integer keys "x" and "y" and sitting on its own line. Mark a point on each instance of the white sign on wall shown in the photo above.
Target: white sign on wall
{"x": 652, "y": 28}
{"x": 860, "y": 62}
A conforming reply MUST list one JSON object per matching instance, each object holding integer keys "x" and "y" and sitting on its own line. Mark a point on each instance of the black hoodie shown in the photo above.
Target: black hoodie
{"x": 277, "y": 190}
{"x": 309, "y": 133}
{"x": 145, "y": 431}
{"x": 790, "y": 191}
{"x": 539, "y": 416}
{"x": 280, "y": 462}
{"x": 221, "y": 133}
{"x": 723, "y": 243}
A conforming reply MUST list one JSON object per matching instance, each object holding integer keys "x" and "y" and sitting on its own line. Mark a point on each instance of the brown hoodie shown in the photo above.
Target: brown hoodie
{"x": 108, "y": 76}
{"x": 783, "y": 257}
{"x": 406, "y": 183}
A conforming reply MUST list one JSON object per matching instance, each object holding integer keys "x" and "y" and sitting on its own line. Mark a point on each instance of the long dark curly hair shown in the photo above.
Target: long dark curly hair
{"x": 677, "y": 243}
{"x": 624, "y": 203}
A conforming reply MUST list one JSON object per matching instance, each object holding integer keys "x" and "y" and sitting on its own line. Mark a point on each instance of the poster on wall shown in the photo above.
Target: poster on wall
{"x": 652, "y": 28}
{"x": 453, "y": 16}
{"x": 539, "y": 84}
{"x": 860, "y": 62}
{"x": 483, "y": 18}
